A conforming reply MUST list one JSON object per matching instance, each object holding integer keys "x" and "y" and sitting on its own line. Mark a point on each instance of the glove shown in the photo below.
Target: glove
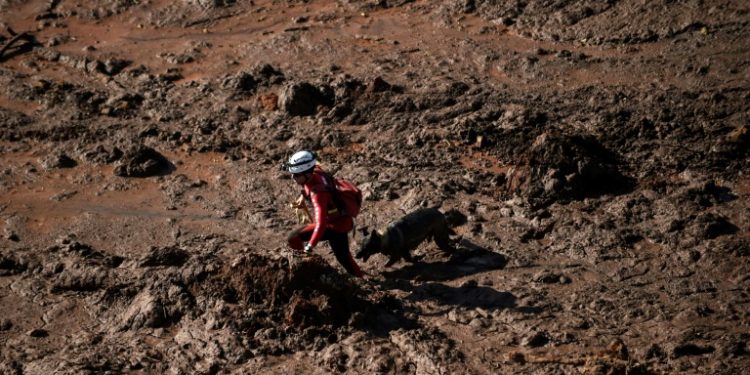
{"x": 308, "y": 249}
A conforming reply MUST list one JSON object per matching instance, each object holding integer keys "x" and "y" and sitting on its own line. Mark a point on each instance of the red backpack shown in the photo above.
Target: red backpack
{"x": 346, "y": 196}
{"x": 350, "y": 197}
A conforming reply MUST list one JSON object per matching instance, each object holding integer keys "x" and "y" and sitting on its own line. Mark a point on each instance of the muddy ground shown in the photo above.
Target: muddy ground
{"x": 593, "y": 156}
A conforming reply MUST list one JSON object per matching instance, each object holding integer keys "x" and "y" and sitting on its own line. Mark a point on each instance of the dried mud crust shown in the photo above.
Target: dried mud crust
{"x": 592, "y": 157}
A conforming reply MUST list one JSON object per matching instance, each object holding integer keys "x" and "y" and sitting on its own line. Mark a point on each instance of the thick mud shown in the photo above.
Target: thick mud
{"x": 591, "y": 156}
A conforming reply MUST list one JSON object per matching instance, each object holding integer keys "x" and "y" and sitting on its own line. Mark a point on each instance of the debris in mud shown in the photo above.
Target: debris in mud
{"x": 165, "y": 256}
{"x": 21, "y": 41}
{"x": 79, "y": 279}
{"x": 240, "y": 83}
{"x": 378, "y": 85}
{"x": 63, "y": 195}
{"x": 536, "y": 339}
{"x": 710, "y": 226}
{"x": 10, "y": 265}
{"x": 12, "y": 236}
{"x": 103, "y": 155}
{"x": 548, "y": 277}
{"x": 58, "y": 160}
{"x": 303, "y": 99}
{"x": 142, "y": 161}
{"x": 38, "y": 333}
{"x": 562, "y": 167}
{"x": 122, "y": 104}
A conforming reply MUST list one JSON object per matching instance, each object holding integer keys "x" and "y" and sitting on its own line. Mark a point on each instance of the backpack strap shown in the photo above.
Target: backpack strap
{"x": 330, "y": 186}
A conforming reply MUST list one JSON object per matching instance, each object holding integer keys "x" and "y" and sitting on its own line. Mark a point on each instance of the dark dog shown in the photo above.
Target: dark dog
{"x": 404, "y": 235}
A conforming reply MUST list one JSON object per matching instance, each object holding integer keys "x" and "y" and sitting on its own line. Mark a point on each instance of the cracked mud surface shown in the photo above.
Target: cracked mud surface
{"x": 597, "y": 150}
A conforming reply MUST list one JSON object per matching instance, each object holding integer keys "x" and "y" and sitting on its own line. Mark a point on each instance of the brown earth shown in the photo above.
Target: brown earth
{"x": 598, "y": 151}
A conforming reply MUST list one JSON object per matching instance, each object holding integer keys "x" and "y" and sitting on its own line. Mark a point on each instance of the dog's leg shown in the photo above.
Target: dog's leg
{"x": 443, "y": 240}
{"x": 413, "y": 259}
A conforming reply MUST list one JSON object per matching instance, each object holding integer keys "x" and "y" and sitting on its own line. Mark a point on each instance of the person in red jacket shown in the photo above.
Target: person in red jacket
{"x": 329, "y": 223}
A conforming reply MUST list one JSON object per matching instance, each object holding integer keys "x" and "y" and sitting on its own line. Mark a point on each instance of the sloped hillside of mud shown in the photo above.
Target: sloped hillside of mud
{"x": 592, "y": 158}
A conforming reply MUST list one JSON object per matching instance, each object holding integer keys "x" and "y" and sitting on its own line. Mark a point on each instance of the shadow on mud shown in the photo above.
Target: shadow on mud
{"x": 470, "y": 296}
{"x": 469, "y": 259}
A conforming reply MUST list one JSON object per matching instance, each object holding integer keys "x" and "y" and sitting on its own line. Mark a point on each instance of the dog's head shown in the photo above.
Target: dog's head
{"x": 370, "y": 245}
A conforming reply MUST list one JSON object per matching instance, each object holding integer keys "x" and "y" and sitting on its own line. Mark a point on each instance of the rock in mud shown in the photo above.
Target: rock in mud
{"x": 103, "y": 155}
{"x": 12, "y": 236}
{"x": 428, "y": 349}
{"x": 142, "y": 162}
{"x": 58, "y": 160}
{"x": 267, "y": 75}
{"x": 568, "y": 167}
{"x": 691, "y": 349}
{"x": 211, "y": 4}
{"x": 38, "y": 333}
{"x": 86, "y": 279}
{"x": 710, "y": 226}
{"x": 5, "y": 324}
{"x": 240, "y": 83}
{"x": 536, "y": 340}
{"x": 165, "y": 256}
{"x": 302, "y": 99}
{"x": 113, "y": 67}
{"x": 159, "y": 305}
{"x": 378, "y": 85}
{"x": 11, "y": 265}
{"x": 548, "y": 277}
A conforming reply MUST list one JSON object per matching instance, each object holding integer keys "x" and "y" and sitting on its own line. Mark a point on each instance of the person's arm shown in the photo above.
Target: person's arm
{"x": 320, "y": 202}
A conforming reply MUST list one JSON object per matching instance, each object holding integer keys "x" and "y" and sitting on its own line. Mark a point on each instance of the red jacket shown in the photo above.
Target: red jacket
{"x": 318, "y": 190}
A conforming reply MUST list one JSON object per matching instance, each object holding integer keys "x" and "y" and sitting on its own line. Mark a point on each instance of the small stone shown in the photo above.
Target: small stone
{"x": 5, "y": 325}
{"x": 477, "y": 323}
{"x": 517, "y": 357}
{"x": 58, "y": 160}
{"x": 690, "y": 349}
{"x": 38, "y": 332}
{"x": 536, "y": 340}
{"x": 547, "y": 277}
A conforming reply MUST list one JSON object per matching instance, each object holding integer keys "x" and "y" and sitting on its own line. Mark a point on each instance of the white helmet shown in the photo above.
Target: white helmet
{"x": 301, "y": 161}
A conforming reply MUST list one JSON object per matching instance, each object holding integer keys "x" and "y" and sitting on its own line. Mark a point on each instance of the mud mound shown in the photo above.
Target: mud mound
{"x": 560, "y": 167}
{"x": 303, "y": 99}
{"x": 307, "y": 292}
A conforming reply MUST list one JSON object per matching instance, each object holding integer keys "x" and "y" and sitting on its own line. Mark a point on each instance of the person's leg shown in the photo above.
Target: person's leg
{"x": 340, "y": 245}
{"x": 297, "y": 237}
